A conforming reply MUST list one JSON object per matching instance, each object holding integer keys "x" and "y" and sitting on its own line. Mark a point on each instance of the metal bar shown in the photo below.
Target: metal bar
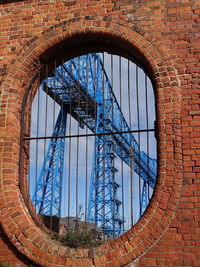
{"x": 138, "y": 122}
{"x": 61, "y": 160}
{"x": 131, "y": 152}
{"x": 92, "y": 134}
{"x": 37, "y": 133}
{"x": 96, "y": 80}
{"x": 45, "y": 132}
{"x": 104, "y": 152}
{"x": 65, "y": 186}
{"x": 122, "y": 162}
{"x": 113, "y": 151}
{"x": 53, "y": 122}
{"x": 69, "y": 162}
{"x": 77, "y": 149}
{"x": 86, "y": 153}
{"x": 147, "y": 124}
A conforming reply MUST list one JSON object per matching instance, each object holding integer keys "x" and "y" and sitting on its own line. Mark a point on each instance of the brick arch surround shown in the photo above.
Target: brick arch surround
{"x": 16, "y": 220}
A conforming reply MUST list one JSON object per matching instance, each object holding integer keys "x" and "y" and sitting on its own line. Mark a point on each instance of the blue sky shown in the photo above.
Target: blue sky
{"x": 86, "y": 166}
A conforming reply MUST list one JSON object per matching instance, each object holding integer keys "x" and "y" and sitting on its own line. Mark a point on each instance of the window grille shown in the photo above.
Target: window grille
{"x": 91, "y": 143}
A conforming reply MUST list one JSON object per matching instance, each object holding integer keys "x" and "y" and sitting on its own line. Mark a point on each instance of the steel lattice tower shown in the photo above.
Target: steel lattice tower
{"x": 48, "y": 193}
{"x": 82, "y": 88}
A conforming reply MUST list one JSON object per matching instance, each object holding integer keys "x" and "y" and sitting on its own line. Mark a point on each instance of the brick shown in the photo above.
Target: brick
{"x": 166, "y": 33}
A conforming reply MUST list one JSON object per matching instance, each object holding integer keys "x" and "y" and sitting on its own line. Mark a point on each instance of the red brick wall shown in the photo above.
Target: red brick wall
{"x": 165, "y": 36}
{"x": 9, "y": 254}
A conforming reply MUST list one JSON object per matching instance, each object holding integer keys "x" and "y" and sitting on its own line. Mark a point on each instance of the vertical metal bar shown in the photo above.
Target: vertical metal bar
{"x": 53, "y": 123}
{"x": 45, "y": 131}
{"x": 113, "y": 176}
{"x": 147, "y": 126}
{"x": 131, "y": 150}
{"x": 122, "y": 163}
{"x": 86, "y": 146}
{"x": 138, "y": 122}
{"x": 69, "y": 161}
{"x": 37, "y": 134}
{"x": 63, "y": 117}
{"x": 65, "y": 151}
{"x": 96, "y": 67}
{"x": 86, "y": 176}
{"x": 104, "y": 150}
{"x": 29, "y": 172}
{"x": 28, "y": 144}
{"x": 77, "y": 147}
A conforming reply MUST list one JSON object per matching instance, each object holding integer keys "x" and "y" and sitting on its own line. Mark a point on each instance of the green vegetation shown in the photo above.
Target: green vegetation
{"x": 5, "y": 265}
{"x": 8, "y": 265}
{"x": 80, "y": 239}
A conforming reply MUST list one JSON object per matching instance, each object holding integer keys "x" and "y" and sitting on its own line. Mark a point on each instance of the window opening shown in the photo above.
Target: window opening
{"x": 93, "y": 159}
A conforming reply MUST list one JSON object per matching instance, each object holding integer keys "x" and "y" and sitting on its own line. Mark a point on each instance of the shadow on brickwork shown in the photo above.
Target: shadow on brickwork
{"x": 19, "y": 256}
{"x": 3, "y": 2}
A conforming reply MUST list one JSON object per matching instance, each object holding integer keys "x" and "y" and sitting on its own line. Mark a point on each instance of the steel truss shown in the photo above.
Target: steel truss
{"x": 48, "y": 193}
{"x": 82, "y": 88}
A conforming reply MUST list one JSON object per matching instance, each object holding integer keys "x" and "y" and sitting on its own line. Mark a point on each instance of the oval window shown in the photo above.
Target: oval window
{"x": 92, "y": 152}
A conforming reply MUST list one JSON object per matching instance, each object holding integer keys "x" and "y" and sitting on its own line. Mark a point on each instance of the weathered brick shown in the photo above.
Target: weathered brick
{"x": 166, "y": 34}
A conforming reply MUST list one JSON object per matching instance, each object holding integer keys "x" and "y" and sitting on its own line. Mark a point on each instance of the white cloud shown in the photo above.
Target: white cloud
{"x": 47, "y": 114}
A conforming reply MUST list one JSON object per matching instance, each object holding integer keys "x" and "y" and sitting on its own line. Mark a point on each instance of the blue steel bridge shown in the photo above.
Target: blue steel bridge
{"x": 82, "y": 89}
